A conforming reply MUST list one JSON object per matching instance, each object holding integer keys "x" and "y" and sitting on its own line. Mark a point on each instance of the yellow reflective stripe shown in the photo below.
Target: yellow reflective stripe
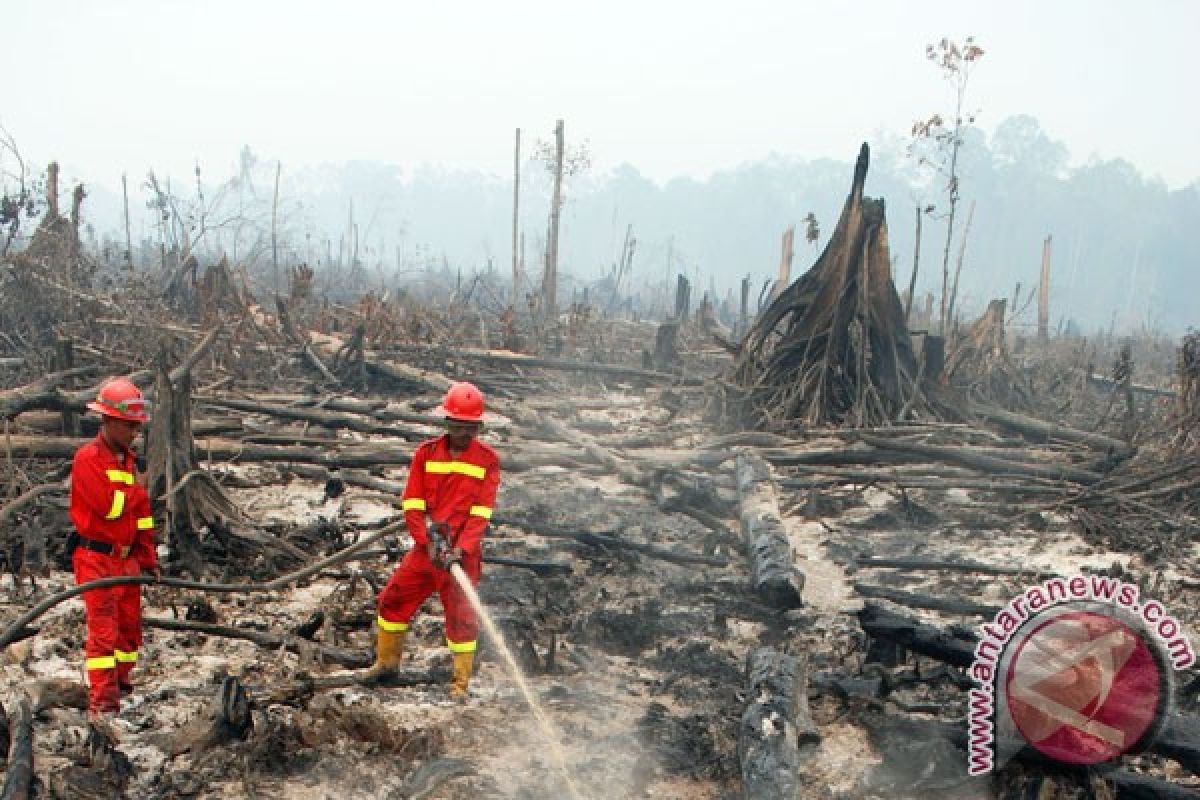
{"x": 461, "y": 647}
{"x": 414, "y": 504}
{"x": 119, "y": 476}
{"x": 118, "y": 505}
{"x": 125, "y": 657}
{"x": 102, "y": 662}
{"x": 145, "y": 523}
{"x": 391, "y": 627}
{"x": 481, "y": 511}
{"x": 461, "y": 467}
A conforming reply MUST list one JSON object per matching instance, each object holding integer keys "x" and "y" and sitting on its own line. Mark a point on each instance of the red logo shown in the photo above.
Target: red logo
{"x": 1084, "y": 687}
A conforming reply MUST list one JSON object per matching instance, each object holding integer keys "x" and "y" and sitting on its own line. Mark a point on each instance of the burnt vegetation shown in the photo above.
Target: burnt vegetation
{"x": 735, "y": 552}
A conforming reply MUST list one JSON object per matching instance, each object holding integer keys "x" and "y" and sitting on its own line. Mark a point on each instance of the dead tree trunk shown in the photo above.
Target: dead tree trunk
{"x": 64, "y": 358}
{"x": 785, "y": 262}
{"x": 550, "y": 278}
{"x": 833, "y": 348}
{"x": 1044, "y": 294}
{"x": 192, "y": 498}
{"x": 980, "y": 365}
{"x": 683, "y": 298}
{"x": 1188, "y": 406}
{"x": 128, "y": 239}
{"x": 516, "y": 271}
{"x": 912, "y": 280}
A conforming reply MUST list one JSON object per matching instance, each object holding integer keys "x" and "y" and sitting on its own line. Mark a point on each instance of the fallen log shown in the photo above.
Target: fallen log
{"x": 603, "y": 540}
{"x": 775, "y": 725}
{"x": 1179, "y": 741}
{"x": 856, "y": 454}
{"x": 773, "y": 573}
{"x": 934, "y": 564}
{"x": 354, "y": 659}
{"x": 51, "y": 422}
{"x": 329, "y": 419}
{"x": 560, "y": 364}
{"x": 986, "y": 463}
{"x": 1040, "y": 429}
{"x": 835, "y": 476}
{"x": 353, "y": 455}
{"x": 18, "y": 783}
{"x": 951, "y": 605}
{"x": 916, "y": 636}
{"x": 1105, "y": 382}
{"x": 289, "y": 330}
{"x": 1136, "y": 786}
{"x": 44, "y": 393}
{"x": 11, "y": 508}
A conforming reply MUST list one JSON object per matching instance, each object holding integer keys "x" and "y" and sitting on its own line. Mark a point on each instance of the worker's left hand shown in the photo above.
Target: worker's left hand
{"x": 156, "y": 571}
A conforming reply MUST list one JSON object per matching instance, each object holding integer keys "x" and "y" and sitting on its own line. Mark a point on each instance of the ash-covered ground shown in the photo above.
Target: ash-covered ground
{"x": 639, "y": 663}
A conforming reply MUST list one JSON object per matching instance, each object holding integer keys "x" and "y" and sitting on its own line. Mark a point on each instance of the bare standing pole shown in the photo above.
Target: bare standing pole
{"x": 912, "y": 282}
{"x": 550, "y": 279}
{"x": 516, "y": 204}
{"x": 274, "y": 236}
{"x": 128, "y": 238}
{"x": 1044, "y": 293}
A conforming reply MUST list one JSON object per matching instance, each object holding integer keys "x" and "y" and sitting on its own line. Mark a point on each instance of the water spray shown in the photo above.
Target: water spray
{"x": 444, "y": 558}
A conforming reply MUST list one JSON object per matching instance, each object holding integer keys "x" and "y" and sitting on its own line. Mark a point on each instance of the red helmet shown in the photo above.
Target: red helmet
{"x": 119, "y": 398}
{"x": 463, "y": 402}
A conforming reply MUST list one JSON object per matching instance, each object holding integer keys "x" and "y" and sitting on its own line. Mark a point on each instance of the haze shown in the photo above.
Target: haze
{"x": 671, "y": 89}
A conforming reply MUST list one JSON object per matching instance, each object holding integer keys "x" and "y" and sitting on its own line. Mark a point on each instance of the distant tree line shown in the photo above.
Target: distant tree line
{"x": 1125, "y": 246}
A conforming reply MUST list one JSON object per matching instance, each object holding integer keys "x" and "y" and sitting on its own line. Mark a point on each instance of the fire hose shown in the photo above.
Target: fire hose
{"x": 17, "y": 629}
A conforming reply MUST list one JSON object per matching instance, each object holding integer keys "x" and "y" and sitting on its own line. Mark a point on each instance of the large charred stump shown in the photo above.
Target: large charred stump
{"x": 979, "y": 364}
{"x": 1188, "y": 410}
{"x": 192, "y": 498}
{"x": 833, "y": 347}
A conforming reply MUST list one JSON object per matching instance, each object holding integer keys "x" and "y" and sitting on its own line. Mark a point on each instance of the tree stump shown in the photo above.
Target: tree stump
{"x": 833, "y": 347}
{"x": 193, "y": 499}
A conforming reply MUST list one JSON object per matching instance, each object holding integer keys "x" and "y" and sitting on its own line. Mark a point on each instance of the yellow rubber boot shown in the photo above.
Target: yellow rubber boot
{"x": 462, "y": 675}
{"x": 389, "y": 647}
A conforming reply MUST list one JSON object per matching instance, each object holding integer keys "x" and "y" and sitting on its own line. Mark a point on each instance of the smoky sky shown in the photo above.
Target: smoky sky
{"x": 673, "y": 88}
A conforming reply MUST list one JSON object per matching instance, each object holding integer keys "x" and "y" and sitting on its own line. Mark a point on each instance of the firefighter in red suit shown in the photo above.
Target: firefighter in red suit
{"x": 452, "y": 485}
{"x": 111, "y": 513}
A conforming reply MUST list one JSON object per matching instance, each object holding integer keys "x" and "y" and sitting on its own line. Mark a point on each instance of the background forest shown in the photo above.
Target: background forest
{"x": 1124, "y": 245}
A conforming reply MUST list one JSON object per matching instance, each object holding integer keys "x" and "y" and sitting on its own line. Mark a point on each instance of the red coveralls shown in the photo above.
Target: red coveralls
{"x": 107, "y": 507}
{"x": 459, "y": 490}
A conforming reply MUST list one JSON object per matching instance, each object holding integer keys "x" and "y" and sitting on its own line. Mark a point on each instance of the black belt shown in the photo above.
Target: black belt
{"x": 104, "y": 548}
